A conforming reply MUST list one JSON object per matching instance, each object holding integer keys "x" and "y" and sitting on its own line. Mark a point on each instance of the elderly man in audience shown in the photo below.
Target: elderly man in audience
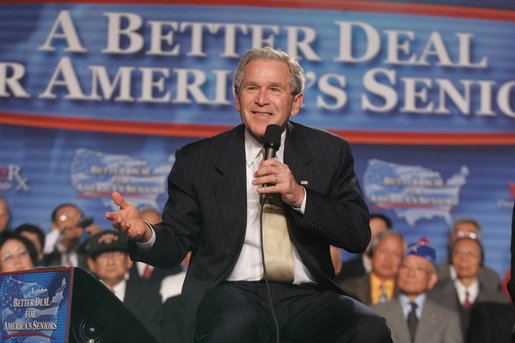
{"x": 467, "y": 258}
{"x": 109, "y": 260}
{"x": 386, "y": 250}
{"x": 412, "y": 316}
{"x": 466, "y": 227}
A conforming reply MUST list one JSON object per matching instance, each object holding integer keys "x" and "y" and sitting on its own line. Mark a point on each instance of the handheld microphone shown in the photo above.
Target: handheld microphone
{"x": 272, "y": 143}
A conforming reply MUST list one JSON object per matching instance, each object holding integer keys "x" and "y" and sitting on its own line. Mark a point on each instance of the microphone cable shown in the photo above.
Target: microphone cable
{"x": 265, "y": 275}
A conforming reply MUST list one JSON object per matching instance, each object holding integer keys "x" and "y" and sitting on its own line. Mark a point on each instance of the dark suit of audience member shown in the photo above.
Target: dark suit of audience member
{"x": 462, "y": 228}
{"x": 412, "y": 316}
{"x": 379, "y": 285}
{"x": 491, "y": 322}
{"x": 467, "y": 289}
{"x": 110, "y": 262}
{"x": 213, "y": 187}
{"x": 155, "y": 277}
{"x": 361, "y": 265}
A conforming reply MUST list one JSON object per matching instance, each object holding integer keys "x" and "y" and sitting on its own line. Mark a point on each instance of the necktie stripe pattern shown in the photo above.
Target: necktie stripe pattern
{"x": 277, "y": 246}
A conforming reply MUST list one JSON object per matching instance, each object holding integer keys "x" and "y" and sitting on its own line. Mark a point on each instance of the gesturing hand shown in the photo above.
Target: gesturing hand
{"x": 128, "y": 221}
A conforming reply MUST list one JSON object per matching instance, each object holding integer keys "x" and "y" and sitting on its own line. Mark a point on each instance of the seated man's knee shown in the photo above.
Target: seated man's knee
{"x": 226, "y": 316}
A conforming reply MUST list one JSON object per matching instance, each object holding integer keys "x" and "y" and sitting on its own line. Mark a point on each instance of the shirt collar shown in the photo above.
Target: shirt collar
{"x": 406, "y": 307}
{"x": 253, "y": 147}
{"x": 473, "y": 290}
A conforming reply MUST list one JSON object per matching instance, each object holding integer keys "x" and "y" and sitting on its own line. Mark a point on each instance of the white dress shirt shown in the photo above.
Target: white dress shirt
{"x": 249, "y": 266}
{"x": 473, "y": 291}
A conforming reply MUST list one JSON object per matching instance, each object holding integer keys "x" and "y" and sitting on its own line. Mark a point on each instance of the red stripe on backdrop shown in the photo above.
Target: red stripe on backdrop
{"x": 200, "y": 130}
{"x": 340, "y": 5}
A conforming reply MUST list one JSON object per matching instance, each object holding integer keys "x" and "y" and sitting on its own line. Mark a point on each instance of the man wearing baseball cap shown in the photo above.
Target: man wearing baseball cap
{"x": 110, "y": 262}
{"x": 411, "y": 316}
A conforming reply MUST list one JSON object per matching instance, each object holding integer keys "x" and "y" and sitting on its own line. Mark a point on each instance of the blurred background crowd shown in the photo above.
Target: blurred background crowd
{"x": 459, "y": 300}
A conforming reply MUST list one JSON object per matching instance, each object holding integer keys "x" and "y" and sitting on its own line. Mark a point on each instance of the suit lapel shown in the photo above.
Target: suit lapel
{"x": 399, "y": 324}
{"x": 297, "y": 154}
{"x": 230, "y": 184}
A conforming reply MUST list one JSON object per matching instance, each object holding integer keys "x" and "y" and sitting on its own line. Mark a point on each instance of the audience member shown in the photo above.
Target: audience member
{"x": 379, "y": 285}
{"x": 362, "y": 265}
{"x": 466, "y": 227}
{"x": 110, "y": 262}
{"x": 467, "y": 257}
{"x": 36, "y": 235}
{"x": 171, "y": 289}
{"x": 63, "y": 244}
{"x": 491, "y": 322}
{"x": 16, "y": 252}
{"x": 5, "y": 214}
{"x": 412, "y": 316}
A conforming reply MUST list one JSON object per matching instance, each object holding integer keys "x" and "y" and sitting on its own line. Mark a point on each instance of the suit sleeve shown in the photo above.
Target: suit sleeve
{"x": 341, "y": 214}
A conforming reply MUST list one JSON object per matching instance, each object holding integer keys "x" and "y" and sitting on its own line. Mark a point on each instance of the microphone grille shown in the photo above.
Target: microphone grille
{"x": 272, "y": 136}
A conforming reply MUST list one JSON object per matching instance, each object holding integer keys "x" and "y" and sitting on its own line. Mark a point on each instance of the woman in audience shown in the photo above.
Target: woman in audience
{"x": 16, "y": 252}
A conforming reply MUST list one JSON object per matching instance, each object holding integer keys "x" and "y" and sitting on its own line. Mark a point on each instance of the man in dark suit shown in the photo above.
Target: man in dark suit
{"x": 213, "y": 210}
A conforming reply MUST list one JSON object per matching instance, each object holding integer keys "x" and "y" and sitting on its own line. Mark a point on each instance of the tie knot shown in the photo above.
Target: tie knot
{"x": 413, "y": 306}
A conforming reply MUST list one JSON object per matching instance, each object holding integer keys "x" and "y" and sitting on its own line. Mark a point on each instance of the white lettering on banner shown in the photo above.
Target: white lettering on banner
{"x": 189, "y": 84}
{"x": 385, "y": 89}
{"x": 11, "y": 176}
{"x": 64, "y": 22}
{"x": 397, "y": 47}
{"x": 416, "y": 94}
{"x": 10, "y": 76}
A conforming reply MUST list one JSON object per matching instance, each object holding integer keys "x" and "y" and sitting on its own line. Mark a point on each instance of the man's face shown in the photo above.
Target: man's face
{"x": 387, "y": 257}
{"x": 466, "y": 258}
{"x": 464, "y": 230}
{"x": 4, "y": 214}
{"x": 111, "y": 266}
{"x": 265, "y": 96}
{"x": 415, "y": 275}
{"x": 66, "y": 221}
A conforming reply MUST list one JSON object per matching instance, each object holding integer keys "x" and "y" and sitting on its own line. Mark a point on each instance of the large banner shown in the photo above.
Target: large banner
{"x": 97, "y": 97}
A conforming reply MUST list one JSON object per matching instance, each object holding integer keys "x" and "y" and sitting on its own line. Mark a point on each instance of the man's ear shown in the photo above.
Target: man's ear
{"x": 297, "y": 104}
{"x": 433, "y": 279}
{"x": 237, "y": 102}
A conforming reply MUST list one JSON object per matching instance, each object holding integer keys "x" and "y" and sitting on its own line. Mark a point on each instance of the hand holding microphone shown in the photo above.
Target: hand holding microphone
{"x": 275, "y": 176}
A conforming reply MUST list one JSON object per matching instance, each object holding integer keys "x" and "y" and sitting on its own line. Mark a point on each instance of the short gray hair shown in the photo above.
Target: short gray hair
{"x": 297, "y": 79}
